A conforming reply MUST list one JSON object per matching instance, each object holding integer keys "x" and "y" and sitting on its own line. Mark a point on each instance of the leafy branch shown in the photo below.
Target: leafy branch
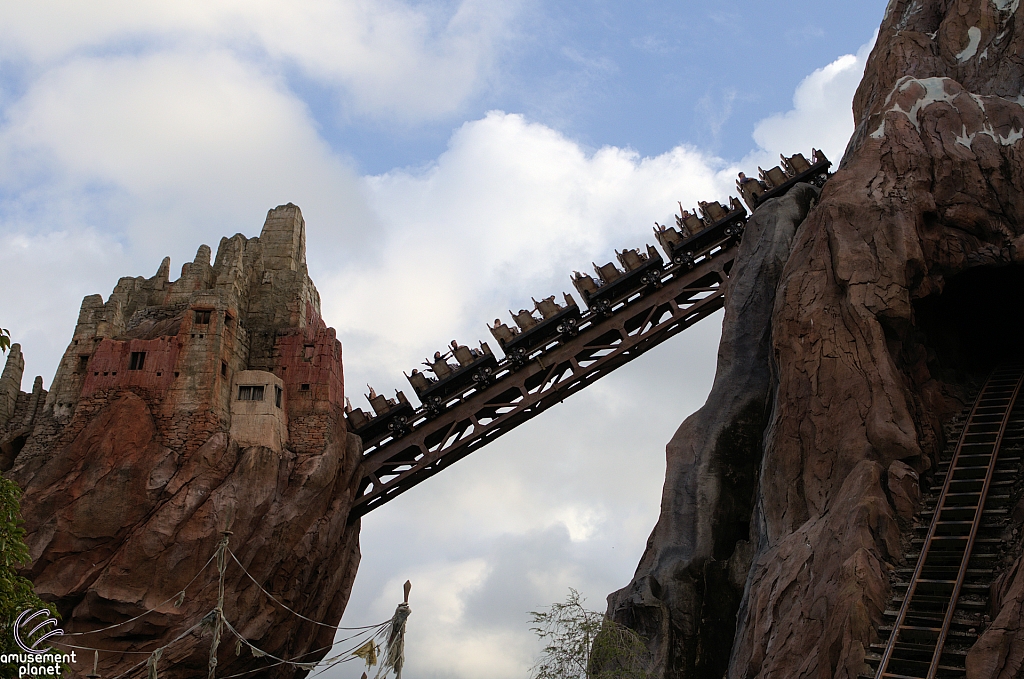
{"x": 585, "y": 644}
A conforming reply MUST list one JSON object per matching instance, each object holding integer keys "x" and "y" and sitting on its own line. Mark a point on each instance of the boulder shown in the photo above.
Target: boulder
{"x": 689, "y": 583}
{"x": 901, "y": 289}
{"x": 185, "y": 413}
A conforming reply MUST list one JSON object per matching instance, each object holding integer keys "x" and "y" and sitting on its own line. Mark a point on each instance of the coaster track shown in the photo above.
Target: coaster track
{"x": 631, "y": 313}
{"x": 940, "y": 612}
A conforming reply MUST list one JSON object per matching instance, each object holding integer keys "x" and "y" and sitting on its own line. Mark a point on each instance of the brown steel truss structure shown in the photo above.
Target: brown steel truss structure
{"x": 663, "y": 307}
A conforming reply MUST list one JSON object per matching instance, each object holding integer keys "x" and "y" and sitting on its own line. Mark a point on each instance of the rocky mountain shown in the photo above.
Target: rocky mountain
{"x": 184, "y": 412}
{"x": 859, "y": 319}
{"x": 854, "y": 330}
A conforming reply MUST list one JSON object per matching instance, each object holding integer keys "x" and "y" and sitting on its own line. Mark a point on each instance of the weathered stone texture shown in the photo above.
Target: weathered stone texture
{"x": 885, "y": 311}
{"x": 142, "y": 452}
{"x": 999, "y": 653}
{"x": 10, "y": 383}
{"x": 904, "y": 488}
{"x": 688, "y": 585}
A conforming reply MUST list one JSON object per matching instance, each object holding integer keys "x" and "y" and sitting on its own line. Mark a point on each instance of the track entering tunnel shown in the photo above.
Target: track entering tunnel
{"x": 968, "y": 329}
{"x": 971, "y": 336}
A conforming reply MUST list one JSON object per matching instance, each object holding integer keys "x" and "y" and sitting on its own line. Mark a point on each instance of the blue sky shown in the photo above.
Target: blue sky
{"x": 452, "y": 159}
{"x": 643, "y": 75}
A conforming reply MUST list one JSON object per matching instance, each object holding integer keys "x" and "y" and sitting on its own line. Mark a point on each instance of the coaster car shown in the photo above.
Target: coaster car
{"x": 555, "y": 321}
{"x": 474, "y": 367}
{"x": 778, "y": 180}
{"x": 390, "y": 415}
{"x": 719, "y": 221}
{"x": 640, "y": 270}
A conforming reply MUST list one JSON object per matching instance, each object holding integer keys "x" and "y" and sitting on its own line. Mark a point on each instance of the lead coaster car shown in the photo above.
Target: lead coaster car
{"x": 796, "y": 169}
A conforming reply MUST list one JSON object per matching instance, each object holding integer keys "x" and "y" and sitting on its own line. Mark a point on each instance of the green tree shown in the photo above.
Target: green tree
{"x": 585, "y": 644}
{"x": 16, "y": 592}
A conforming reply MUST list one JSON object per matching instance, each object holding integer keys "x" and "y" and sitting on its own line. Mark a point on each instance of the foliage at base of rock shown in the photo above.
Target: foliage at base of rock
{"x": 16, "y": 593}
{"x": 585, "y": 644}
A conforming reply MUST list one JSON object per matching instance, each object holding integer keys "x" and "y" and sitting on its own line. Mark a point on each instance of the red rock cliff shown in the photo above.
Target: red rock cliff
{"x": 903, "y": 286}
{"x": 181, "y": 409}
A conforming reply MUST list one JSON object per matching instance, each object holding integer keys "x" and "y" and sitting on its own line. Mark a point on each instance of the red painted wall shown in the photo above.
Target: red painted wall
{"x": 108, "y": 367}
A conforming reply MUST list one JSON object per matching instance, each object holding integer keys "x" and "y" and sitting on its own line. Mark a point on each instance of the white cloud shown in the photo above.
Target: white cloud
{"x": 113, "y": 156}
{"x": 413, "y": 62}
{"x": 169, "y": 122}
{"x": 505, "y": 214}
{"x": 46, "y": 275}
{"x": 822, "y": 113}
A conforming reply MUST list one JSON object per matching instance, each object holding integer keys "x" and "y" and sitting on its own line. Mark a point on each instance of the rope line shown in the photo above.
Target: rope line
{"x": 305, "y": 664}
{"x": 176, "y": 639}
{"x": 259, "y": 652}
{"x": 345, "y": 656}
{"x": 179, "y": 595}
{"x": 376, "y": 630}
{"x": 285, "y": 606}
{"x": 90, "y": 648}
{"x": 216, "y": 620}
{"x": 222, "y": 564}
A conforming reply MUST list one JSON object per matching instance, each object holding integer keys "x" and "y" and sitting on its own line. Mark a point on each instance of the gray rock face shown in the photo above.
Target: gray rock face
{"x": 688, "y": 586}
{"x": 10, "y": 383}
{"x": 905, "y": 286}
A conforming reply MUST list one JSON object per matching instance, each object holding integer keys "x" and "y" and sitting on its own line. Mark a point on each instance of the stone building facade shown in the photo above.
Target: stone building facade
{"x": 181, "y": 409}
{"x": 179, "y": 344}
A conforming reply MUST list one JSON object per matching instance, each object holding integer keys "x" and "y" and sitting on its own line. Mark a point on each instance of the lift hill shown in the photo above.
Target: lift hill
{"x": 469, "y": 404}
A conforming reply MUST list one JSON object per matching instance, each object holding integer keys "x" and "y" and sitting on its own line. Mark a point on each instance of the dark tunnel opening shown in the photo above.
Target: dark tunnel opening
{"x": 975, "y": 324}
{"x": 9, "y": 451}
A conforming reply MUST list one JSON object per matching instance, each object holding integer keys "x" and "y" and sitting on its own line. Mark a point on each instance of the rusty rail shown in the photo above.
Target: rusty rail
{"x": 681, "y": 297}
{"x": 647, "y": 306}
{"x": 922, "y": 626}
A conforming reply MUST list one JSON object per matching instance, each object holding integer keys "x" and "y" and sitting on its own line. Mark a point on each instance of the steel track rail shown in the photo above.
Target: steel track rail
{"x": 394, "y": 463}
{"x": 982, "y": 437}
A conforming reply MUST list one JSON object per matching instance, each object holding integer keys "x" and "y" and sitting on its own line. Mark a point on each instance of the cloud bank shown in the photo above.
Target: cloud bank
{"x": 129, "y": 132}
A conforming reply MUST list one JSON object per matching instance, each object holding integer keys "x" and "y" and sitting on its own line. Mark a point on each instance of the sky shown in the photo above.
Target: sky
{"x": 452, "y": 158}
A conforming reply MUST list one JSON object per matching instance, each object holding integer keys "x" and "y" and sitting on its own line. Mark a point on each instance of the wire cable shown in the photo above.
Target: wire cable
{"x": 176, "y": 639}
{"x": 285, "y": 606}
{"x": 152, "y": 610}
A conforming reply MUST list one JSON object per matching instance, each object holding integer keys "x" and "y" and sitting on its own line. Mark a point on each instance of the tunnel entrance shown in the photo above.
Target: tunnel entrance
{"x": 975, "y": 324}
{"x": 10, "y": 449}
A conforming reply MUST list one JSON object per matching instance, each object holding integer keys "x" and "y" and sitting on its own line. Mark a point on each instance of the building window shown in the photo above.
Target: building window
{"x": 277, "y": 396}
{"x": 203, "y": 316}
{"x": 224, "y": 369}
{"x": 83, "y": 364}
{"x": 308, "y": 350}
{"x": 228, "y": 319}
{"x": 137, "y": 360}
{"x": 250, "y": 393}
{"x": 304, "y": 387}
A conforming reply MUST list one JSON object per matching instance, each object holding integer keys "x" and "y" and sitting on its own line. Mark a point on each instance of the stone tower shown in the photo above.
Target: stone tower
{"x": 180, "y": 409}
